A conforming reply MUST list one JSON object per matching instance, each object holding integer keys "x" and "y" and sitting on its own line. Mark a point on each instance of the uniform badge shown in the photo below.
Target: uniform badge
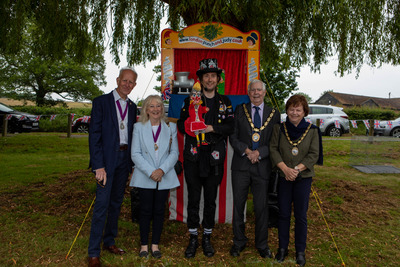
{"x": 215, "y": 154}
{"x": 193, "y": 150}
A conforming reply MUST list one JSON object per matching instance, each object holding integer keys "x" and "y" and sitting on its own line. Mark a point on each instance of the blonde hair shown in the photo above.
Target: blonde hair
{"x": 144, "y": 117}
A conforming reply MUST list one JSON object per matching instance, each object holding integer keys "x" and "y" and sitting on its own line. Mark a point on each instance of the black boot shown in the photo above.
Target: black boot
{"x": 208, "y": 249}
{"x": 301, "y": 258}
{"x": 191, "y": 248}
{"x": 281, "y": 254}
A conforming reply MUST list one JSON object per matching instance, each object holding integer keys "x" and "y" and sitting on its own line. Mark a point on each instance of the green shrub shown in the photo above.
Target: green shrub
{"x": 60, "y": 123}
{"x": 53, "y": 110}
{"x": 358, "y": 113}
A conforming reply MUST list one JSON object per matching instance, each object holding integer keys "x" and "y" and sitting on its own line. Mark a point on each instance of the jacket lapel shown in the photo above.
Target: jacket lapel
{"x": 147, "y": 137}
{"x": 131, "y": 116}
{"x": 248, "y": 107}
{"x": 164, "y": 139}
{"x": 114, "y": 116}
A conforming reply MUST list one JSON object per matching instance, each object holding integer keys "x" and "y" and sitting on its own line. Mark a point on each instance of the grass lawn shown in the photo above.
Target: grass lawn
{"x": 46, "y": 190}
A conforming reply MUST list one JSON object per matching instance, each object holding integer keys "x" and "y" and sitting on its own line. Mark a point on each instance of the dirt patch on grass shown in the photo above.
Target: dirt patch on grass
{"x": 345, "y": 204}
{"x": 358, "y": 202}
{"x": 71, "y": 193}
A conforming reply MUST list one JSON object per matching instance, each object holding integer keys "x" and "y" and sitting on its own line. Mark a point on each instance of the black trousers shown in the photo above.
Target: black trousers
{"x": 152, "y": 206}
{"x": 195, "y": 183}
{"x": 241, "y": 182}
{"x": 298, "y": 194}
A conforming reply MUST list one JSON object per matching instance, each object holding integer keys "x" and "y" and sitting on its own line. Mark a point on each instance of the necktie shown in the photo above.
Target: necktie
{"x": 257, "y": 119}
{"x": 257, "y": 123}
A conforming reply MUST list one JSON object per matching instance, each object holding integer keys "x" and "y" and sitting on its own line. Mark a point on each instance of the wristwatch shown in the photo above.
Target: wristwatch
{"x": 297, "y": 168}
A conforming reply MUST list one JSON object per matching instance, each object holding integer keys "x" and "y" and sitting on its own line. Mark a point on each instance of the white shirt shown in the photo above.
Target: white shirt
{"x": 123, "y": 133}
{"x": 155, "y": 128}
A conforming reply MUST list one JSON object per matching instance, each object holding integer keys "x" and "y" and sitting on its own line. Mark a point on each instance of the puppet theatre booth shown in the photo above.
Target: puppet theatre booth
{"x": 238, "y": 56}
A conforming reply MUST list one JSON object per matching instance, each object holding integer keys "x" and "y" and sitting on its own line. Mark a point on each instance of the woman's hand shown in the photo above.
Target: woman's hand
{"x": 290, "y": 174}
{"x": 157, "y": 175}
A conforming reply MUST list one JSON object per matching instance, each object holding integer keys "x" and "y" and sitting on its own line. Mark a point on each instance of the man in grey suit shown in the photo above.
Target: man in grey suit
{"x": 251, "y": 166}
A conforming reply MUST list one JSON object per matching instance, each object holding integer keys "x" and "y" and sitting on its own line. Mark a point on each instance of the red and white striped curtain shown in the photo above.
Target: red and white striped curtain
{"x": 178, "y": 197}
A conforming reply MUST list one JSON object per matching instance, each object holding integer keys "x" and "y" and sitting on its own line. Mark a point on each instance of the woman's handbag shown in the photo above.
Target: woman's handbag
{"x": 273, "y": 208}
{"x": 178, "y": 167}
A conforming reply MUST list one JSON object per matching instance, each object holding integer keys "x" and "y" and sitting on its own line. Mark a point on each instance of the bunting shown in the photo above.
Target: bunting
{"x": 166, "y": 94}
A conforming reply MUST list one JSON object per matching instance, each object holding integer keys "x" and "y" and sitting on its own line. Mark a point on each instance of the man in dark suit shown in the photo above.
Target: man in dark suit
{"x": 251, "y": 166}
{"x": 110, "y": 139}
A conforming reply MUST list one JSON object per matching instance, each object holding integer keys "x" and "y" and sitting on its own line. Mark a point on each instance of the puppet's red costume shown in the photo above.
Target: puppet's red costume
{"x": 191, "y": 125}
{"x": 194, "y": 124}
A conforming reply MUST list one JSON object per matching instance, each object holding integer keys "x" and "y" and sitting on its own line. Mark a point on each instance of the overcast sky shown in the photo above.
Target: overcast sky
{"x": 371, "y": 81}
{"x": 376, "y": 82}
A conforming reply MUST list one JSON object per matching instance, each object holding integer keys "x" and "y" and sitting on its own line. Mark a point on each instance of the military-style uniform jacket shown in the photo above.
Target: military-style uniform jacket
{"x": 220, "y": 116}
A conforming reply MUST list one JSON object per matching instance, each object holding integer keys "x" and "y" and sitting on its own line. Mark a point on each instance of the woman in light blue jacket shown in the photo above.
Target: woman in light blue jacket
{"x": 154, "y": 152}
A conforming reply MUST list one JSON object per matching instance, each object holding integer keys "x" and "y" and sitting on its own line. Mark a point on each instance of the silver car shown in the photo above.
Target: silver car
{"x": 329, "y": 114}
{"x": 389, "y": 128}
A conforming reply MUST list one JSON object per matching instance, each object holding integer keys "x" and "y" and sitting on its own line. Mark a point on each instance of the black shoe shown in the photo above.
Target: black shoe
{"x": 301, "y": 258}
{"x": 191, "y": 248}
{"x": 265, "y": 253}
{"x": 235, "y": 250}
{"x": 281, "y": 254}
{"x": 156, "y": 254}
{"x": 208, "y": 249}
{"x": 143, "y": 254}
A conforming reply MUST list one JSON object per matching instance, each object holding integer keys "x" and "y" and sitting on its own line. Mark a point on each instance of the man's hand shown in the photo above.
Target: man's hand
{"x": 252, "y": 155}
{"x": 101, "y": 176}
{"x": 209, "y": 129}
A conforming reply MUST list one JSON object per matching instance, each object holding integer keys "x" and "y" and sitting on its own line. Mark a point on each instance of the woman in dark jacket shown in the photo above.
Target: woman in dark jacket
{"x": 295, "y": 147}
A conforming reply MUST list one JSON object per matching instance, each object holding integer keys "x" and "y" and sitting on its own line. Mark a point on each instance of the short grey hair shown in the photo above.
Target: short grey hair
{"x": 256, "y": 81}
{"x": 144, "y": 117}
{"x": 127, "y": 68}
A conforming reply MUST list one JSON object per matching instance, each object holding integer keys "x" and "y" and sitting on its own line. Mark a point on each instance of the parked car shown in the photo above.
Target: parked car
{"x": 329, "y": 114}
{"x": 81, "y": 125}
{"x": 19, "y": 121}
{"x": 385, "y": 129}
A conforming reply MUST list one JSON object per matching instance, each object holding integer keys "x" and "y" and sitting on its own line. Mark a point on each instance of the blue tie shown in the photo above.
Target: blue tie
{"x": 257, "y": 119}
{"x": 257, "y": 124}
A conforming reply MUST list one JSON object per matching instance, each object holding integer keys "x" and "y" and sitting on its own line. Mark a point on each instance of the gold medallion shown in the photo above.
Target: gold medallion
{"x": 155, "y": 147}
{"x": 122, "y": 126}
{"x": 255, "y": 137}
{"x": 295, "y": 151}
